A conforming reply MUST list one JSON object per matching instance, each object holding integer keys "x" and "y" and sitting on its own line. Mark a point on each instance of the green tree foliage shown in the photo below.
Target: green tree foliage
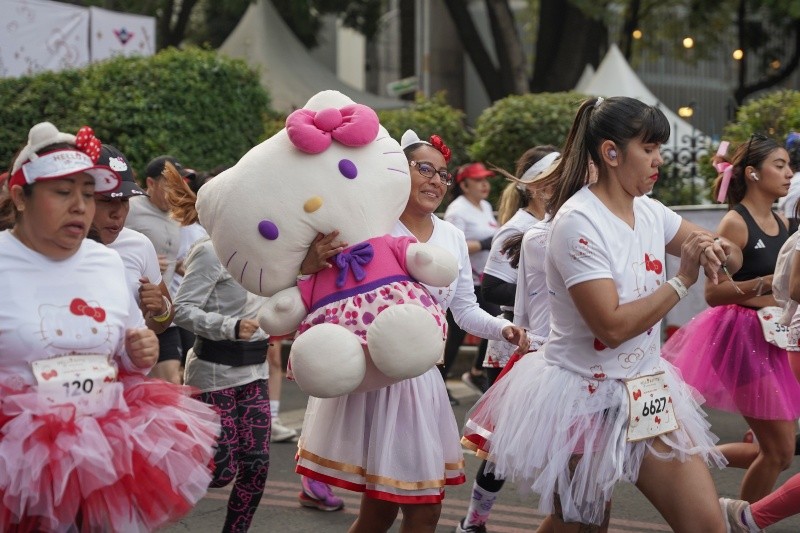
{"x": 203, "y": 108}
{"x": 515, "y": 123}
{"x": 429, "y": 116}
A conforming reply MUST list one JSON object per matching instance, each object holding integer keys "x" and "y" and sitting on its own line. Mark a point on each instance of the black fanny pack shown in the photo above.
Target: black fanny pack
{"x": 231, "y": 353}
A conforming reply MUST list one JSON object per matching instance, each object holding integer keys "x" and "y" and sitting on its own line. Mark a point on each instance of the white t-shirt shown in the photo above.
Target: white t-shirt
{"x": 498, "y": 264}
{"x": 589, "y": 242}
{"x": 477, "y": 223}
{"x": 80, "y": 305}
{"x": 788, "y": 203}
{"x": 139, "y": 258}
{"x": 156, "y": 225}
{"x": 532, "y": 299}
{"x": 459, "y": 296}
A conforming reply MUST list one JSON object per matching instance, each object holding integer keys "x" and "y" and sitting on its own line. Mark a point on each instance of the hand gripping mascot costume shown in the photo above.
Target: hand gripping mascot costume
{"x": 365, "y": 323}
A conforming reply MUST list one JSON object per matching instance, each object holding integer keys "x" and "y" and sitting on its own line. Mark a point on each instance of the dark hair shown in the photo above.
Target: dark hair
{"x": 9, "y": 215}
{"x": 750, "y": 153}
{"x": 619, "y": 119}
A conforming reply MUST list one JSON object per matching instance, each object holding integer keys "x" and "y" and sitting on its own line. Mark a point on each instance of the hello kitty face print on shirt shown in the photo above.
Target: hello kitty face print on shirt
{"x": 76, "y": 327}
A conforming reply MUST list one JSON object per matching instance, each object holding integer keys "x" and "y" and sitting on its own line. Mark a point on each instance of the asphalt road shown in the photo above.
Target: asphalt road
{"x": 280, "y": 512}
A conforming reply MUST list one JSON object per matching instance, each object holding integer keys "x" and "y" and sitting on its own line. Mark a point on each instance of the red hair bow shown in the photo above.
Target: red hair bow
{"x": 87, "y": 143}
{"x": 439, "y": 144}
{"x": 81, "y": 308}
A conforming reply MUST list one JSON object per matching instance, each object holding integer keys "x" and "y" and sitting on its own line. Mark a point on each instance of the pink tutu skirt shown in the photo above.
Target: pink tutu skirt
{"x": 722, "y": 353}
{"x": 140, "y": 463}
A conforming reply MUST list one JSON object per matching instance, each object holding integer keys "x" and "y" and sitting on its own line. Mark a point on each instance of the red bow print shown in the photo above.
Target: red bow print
{"x": 87, "y": 143}
{"x": 81, "y": 308}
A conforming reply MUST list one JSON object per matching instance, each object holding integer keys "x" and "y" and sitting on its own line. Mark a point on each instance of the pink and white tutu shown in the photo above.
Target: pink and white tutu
{"x": 399, "y": 443}
{"x": 539, "y": 418}
{"x": 722, "y": 353}
{"x": 142, "y": 461}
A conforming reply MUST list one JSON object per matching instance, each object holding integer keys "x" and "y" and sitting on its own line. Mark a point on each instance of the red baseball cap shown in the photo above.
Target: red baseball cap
{"x": 473, "y": 171}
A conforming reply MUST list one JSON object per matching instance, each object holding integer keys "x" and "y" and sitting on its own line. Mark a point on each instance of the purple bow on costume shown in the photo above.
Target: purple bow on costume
{"x": 360, "y": 254}
{"x": 314, "y": 131}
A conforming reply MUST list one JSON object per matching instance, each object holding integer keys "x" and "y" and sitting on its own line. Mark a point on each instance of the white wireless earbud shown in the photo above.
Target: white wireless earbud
{"x": 754, "y": 176}
{"x": 612, "y": 154}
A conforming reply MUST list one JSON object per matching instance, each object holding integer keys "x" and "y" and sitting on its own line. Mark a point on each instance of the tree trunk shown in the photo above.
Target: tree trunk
{"x": 467, "y": 32}
{"x": 510, "y": 54}
{"x": 631, "y": 23}
{"x": 567, "y": 41}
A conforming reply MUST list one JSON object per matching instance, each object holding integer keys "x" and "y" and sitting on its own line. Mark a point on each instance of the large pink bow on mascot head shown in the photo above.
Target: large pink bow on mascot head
{"x": 314, "y": 131}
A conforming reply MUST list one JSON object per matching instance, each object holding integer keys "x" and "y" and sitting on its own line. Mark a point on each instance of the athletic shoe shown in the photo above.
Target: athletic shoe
{"x": 318, "y": 495}
{"x": 453, "y": 400}
{"x": 281, "y": 433}
{"x": 737, "y": 516}
{"x": 470, "y": 529}
{"x": 476, "y": 383}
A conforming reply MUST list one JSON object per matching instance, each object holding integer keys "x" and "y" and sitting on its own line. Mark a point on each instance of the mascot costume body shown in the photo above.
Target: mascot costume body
{"x": 365, "y": 323}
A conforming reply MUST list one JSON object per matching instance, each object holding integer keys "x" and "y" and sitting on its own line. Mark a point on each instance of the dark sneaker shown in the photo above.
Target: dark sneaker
{"x": 476, "y": 383}
{"x": 470, "y": 529}
{"x": 453, "y": 401}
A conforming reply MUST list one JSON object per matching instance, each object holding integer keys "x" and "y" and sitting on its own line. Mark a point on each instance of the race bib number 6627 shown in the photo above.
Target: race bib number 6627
{"x": 650, "y": 407}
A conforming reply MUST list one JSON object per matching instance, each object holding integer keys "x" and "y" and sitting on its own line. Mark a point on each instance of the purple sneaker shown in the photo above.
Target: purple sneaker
{"x": 318, "y": 495}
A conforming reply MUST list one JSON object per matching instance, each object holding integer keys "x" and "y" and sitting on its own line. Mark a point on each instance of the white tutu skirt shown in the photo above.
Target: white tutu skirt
{"x": 399, "y": 443}
{"x": 538, "y": 417}
{"x": 141, "y": 462}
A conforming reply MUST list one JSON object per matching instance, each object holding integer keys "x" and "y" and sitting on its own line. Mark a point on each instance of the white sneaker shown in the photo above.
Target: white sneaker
{"x": 281, "y": 433}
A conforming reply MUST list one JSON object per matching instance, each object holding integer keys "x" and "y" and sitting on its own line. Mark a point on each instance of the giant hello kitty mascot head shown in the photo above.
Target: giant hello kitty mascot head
{"x": 366, "y": 322}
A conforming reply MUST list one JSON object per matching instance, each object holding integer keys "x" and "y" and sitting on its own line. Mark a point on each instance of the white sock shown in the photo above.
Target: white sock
{"x": 480, "y": 506}
{"x": 274, "y": 407}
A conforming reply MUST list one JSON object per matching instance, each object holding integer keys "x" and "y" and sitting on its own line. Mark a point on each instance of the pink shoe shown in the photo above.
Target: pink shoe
{"x": 318, "y": 495}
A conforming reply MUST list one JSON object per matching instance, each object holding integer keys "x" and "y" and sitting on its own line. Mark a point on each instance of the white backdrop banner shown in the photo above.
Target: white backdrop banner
{"x": 115, "y": 34}
{"x": 36, "y": 35}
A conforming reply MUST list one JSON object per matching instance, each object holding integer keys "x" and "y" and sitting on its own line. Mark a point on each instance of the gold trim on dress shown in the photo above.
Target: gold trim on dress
{"x": 471, "y": 446}
{"x": 378, "y": 480}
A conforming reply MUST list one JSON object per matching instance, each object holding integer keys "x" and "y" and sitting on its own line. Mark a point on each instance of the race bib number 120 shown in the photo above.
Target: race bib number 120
{"x": 74, "y": 379}
{"x": 650, "y": 407}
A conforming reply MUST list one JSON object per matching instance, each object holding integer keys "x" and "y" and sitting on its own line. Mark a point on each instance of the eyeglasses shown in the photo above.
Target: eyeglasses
{"x": 757, "y": 136}
{"x": 429, "y": 171}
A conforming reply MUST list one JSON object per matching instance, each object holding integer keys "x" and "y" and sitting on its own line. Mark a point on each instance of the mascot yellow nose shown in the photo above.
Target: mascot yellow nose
{"x": 312, "y": 204}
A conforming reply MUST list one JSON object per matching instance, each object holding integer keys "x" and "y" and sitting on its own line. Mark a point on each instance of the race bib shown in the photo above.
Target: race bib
{"x": 774, "y": 332}
{"x": 650, "y": 411}
{"x": 81, "y": 380}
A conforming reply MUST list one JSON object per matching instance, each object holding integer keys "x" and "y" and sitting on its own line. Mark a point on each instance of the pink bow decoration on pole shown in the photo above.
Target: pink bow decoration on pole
{"x": 727, "y": 171}
{"x": 313, "y": 132}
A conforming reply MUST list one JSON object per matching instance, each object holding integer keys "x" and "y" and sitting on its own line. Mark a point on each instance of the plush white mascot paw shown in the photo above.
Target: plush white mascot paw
{"x": 368, "y": 322}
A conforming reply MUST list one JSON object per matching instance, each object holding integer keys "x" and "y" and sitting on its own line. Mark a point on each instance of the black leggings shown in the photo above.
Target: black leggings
{"x": 455, "y": 336}
{"x": 484, "y": 480}
{"x": 242, "y": 449}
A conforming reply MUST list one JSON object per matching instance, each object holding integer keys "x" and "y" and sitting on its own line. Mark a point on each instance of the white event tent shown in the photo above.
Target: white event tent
{"x": 290, "y": 74}
{"x": 615, "y": 77}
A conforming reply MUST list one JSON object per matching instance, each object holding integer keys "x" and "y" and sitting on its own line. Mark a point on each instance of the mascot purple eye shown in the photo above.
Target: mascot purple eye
{"x": 348, "y": 169}
{"x": 268, "y": 230}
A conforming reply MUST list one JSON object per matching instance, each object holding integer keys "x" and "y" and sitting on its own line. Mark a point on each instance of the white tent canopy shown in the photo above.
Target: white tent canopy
{"x": 286, "y": 68}
{"x": 615, "y": 77}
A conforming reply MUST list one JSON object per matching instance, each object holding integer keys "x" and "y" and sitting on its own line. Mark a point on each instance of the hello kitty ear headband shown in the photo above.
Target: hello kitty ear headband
{"x": 30, "y": 166}
{"x": 410, "y": 138}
